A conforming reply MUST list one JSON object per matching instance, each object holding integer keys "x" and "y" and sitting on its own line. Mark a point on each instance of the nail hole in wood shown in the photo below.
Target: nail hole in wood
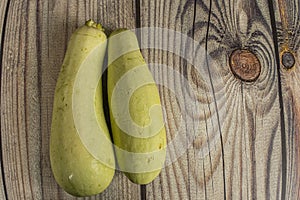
{"x": 288, "y": 60}
{"x": 245, "y": 65}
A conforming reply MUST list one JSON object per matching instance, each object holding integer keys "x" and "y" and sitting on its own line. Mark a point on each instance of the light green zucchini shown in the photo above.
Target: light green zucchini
{"x": 135, "y": 110}
{"x": 81, "y": 152}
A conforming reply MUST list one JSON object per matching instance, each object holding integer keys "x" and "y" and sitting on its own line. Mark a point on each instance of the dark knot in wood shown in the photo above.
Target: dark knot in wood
{"x": 245, "y": 65}
{"x": 288, "y": 60}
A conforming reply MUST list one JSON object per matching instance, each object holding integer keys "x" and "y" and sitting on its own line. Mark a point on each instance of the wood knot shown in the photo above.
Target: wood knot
{"x": 288, "y": 59}
{"x": 245, "y": 65}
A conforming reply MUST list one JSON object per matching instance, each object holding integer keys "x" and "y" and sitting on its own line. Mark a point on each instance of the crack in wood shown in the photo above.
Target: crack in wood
{"x": 214, "y": 97}
{"x": 281, "y": 104}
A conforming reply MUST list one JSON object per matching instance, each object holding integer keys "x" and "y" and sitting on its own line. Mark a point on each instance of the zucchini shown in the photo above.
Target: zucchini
{"x": 81, "y": 152}
{"x": 135, "y": 110}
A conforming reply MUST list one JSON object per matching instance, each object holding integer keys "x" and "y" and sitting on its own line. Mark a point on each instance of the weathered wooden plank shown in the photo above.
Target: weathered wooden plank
{"x": 59, "y": 21}
{"x": 58, "y": 28}
{"x": 35, "y": 41}
{"x": 236, "y": 131}
{"x": 3, "y": 6}
{"x": 287, "y": 17}
{"x": 251, "y": 128}
{"x": 173, "y": 182}
{"x": 19, "y": 108}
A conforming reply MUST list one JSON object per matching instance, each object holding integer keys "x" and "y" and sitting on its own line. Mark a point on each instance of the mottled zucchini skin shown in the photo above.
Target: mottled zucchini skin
{"x": 74, "y": 164}
{"x": 134, "y": 101}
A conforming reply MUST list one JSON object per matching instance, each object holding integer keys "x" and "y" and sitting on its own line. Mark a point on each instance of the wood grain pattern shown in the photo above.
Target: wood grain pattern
{"x": 239, "y": 123}
{"x": 3, "y": 7}
{"x": 19, "y": 123}
{"x": 236, "y": 140}
{"x": 251, "y": 128}
{"x": 35, "y": 41}
{"x": 287, "y": 18}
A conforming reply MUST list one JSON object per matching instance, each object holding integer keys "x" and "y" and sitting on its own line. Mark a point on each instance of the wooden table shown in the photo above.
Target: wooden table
{"x": 244, "y": 138}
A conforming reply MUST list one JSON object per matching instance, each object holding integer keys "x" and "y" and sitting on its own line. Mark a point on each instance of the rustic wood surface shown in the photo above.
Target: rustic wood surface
{"x": 246, "y": 162}
{"x": 243, "y": 137}
{"x": 287, "y": 21}
{"x": 3, "y": 5}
